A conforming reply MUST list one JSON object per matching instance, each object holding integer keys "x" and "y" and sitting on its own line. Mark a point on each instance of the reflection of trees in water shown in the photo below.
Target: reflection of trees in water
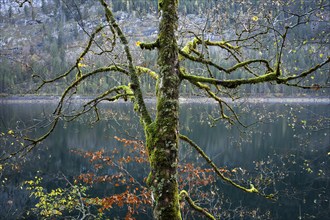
{"x": 288, "y": 157}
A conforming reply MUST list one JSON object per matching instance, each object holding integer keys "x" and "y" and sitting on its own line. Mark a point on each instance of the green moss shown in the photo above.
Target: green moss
{"x": 230, "y": 83}
{"x": 221, "y": 44}
{"x": 149, "y": 46}
{"x": 235, "y": 83}
{"x": 162, "y": 141}
{"x": 148, "y": 71}
{"x": 149, "y": 180}
{"x": 136, "y": 107}
{"x": 150, "y": 132}
{"x": 160, "y": 5}
{"x": 190, "y": 46}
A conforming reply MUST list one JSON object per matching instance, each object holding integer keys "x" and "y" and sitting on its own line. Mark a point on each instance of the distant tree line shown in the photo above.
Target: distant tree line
{"x": 63, "y": 34}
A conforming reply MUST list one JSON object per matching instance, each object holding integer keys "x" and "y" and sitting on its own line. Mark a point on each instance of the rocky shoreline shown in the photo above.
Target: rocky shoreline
{"x": 184, "y": 100}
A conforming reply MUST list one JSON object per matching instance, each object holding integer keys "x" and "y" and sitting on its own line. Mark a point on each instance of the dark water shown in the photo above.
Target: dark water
{"x": 287, "y": 143}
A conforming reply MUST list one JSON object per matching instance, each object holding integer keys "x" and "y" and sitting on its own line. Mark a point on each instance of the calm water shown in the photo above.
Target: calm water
{"x": 288, "y": 143}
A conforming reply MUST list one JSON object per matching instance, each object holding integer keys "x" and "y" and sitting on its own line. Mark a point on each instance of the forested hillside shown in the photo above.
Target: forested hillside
{"x": 45, "y": 38}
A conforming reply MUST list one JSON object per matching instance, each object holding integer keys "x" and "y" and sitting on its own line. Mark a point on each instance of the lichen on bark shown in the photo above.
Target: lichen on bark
{"x": 162, "y": 135}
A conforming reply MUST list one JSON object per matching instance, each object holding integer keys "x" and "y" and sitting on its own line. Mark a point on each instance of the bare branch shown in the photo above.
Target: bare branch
{"x": 22, "y": 2}
{"x": 82, "y": 78}
{"x": 305, "y": 73}
{"x": 33, "y": 142}
{"x": 76, "y": 66}
{"x": 92, "y": 104}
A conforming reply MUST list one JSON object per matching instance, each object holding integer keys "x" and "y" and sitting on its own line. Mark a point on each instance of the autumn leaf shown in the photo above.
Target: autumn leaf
{"x": 255, "y": 18}
{"x": 138, "y": 43}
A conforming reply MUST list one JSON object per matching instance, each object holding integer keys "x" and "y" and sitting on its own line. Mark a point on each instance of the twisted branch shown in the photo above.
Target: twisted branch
{"x": 252, "y": 189}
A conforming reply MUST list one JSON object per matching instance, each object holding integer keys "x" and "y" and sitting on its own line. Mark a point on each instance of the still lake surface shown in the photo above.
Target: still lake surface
{"x": 288, "y": 142}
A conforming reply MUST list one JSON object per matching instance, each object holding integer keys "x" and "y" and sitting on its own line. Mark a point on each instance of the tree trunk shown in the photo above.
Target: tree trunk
{"x": 162, "y": 135}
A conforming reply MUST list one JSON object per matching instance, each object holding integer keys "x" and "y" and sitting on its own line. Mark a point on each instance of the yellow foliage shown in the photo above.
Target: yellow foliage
{"x": 82, "y": 65}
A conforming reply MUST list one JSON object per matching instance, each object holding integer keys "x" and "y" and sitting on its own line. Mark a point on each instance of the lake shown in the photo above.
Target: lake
{"x": 285, "y": 149}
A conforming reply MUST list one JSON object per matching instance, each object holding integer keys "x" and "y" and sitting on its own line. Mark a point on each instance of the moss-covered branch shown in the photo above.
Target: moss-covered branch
{"x": 247, "y": 62}
{"x": 267, "y": 77}
{"x": 253, "y": 80}
{"x": 271, "y": 74}
{"x": 184, "y": 195}
{"x": 252, "y": 189}
{"x": 230, "y": 83}
{"x": 200, "y": 60}
{"x": 126, "y": 91}
{"x": 141, "y": 69}
{"x": 139, "y": 101}
{"x": 190, "y": 46}
{"x": 222, "y": 44}
{"x": 221, "y": 103}
{"x": 232, "y": 50}
{"x": 148, "y": 46}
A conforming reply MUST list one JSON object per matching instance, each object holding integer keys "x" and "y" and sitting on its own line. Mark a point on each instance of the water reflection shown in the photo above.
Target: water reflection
{"x": 287, "y": 143}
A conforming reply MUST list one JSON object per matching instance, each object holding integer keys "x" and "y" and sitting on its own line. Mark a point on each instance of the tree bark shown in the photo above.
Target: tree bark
{"x": 162, "y": 135}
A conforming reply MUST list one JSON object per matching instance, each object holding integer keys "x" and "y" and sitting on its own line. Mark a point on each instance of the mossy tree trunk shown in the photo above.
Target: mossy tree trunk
{"x": 162, "y": 135}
